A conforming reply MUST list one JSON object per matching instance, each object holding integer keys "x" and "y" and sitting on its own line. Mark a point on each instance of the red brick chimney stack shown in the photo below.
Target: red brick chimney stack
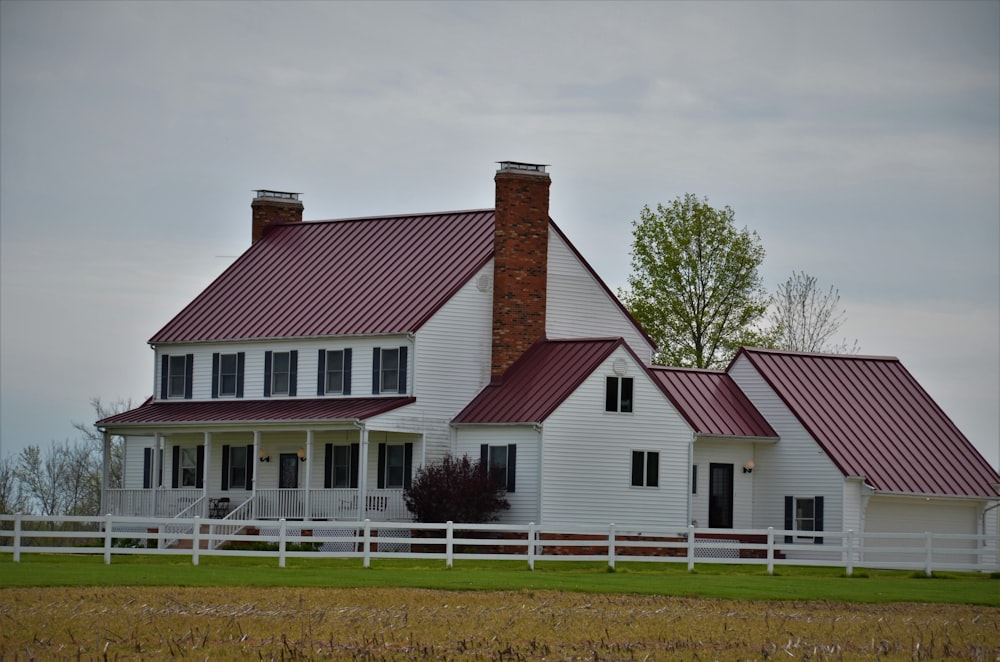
{"x": 520, "y": 263}
{"x": 273, "y": 207}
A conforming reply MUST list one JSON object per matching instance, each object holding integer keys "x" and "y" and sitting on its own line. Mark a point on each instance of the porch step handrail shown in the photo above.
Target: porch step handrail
{"x": 244, "y": 511}
{"x": 192, "y": 509}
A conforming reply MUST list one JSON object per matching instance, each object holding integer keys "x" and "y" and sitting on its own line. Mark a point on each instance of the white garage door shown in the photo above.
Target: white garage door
{"x": 887, "y": 514}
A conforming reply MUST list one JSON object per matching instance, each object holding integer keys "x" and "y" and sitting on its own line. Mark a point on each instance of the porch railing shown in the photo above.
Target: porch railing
{"x": 160, "y": 503}
{"x": 341, "y": 504}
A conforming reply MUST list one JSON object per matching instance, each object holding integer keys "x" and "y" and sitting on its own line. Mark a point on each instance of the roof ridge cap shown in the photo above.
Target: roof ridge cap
{"x": 820, "y": 355}
{"x": 386, "y": 217}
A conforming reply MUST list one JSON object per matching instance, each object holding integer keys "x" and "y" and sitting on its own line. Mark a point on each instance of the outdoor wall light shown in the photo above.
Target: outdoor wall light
{"x": 748, "y": 467}
{"x": 264, "y": 458}
{"x": 302, "y": 454}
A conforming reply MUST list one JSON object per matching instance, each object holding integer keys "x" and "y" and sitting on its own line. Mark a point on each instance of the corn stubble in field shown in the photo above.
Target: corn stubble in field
{"x": 404, "y": 624}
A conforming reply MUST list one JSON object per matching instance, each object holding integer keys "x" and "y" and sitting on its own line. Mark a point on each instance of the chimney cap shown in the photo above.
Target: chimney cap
{"x": 523, "y": 168}
{"x": 278, "y": 195}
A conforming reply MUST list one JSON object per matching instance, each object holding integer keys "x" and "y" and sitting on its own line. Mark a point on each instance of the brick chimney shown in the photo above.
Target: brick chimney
{"x": 520, "y": 263}
{"x": 273, "y": 207}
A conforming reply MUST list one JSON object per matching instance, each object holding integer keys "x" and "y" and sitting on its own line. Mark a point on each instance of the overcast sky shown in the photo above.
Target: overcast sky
{"x": 860, "y": 140}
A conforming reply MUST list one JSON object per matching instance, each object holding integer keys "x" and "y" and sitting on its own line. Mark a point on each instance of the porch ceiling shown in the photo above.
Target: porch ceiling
{"x": 214, "y": 412}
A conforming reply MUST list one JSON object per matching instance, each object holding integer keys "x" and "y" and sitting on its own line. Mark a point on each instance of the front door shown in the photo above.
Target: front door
{"x": 720, "y": 496}
{"x": 288, "y": 470}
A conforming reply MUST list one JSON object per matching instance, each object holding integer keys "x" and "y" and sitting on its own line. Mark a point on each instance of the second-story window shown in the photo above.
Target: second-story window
{"x": 227, "y": 375}
{"x": 334, "y": 372}
{"x": 618, "y": 394}
{"x": 176, "y": 376}
{"x": 280, "y": 373}
{"x": 389, "y": 370}
{"x": 176, "y": 372}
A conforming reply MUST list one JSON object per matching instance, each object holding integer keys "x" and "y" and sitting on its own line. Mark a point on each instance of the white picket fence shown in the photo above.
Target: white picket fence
{"x": 196, "y": 537}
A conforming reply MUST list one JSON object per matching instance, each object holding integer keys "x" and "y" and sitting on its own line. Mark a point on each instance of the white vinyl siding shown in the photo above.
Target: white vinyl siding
{"x": 793, "y": 466}
{"x": 587, "y": 456}
{"x": 736, "y": 453}
{"x": 524, "y": 501}
{"x": 918, "y": 515}
{"x": 133, "y": 461}
{"x": 577, "y": 306}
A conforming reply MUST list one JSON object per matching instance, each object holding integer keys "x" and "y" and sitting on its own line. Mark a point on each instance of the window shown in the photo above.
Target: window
{"x": 176, "y": 375}
{"x": 280, "y": 372}
{"x": 618, "y": 394}
{"x": 334, "y": 375}
{"x": 394, "y": 464}
{"x": 147, "y": 468}
{"x": 237, "y": 467}
{"x": 645, "y": 469}
{"x": 340, "y": 466}
{"x": 501, "y": 461}
{"x": 227, "y": 375}
{"x": 389, "y": 370}
{"x": 804, "y": 514}
{"x": 188, "y": 466}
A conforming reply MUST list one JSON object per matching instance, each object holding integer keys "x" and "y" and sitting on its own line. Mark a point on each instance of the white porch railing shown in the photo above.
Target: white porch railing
{"x": 159, "y": 503}
{"x": 339, "y": 504}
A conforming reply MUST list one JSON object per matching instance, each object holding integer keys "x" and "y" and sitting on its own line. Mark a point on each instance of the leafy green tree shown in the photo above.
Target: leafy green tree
{"x": 455, "y": 490}
{"x": 694, "y": 284}
{"x": 804, "y": 318}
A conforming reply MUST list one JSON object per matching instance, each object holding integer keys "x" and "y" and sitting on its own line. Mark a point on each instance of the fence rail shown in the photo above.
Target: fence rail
{"x": 195, "y": 537}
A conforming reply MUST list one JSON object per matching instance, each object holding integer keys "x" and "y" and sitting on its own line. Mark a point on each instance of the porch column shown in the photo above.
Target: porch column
{"x": 205, "y": 474}
{"x": 155, "y": 481}
{"x": 105, "y": 472}
{"x": 363, "y": 473}
{"x": 256, "y": 460}
{"x": 309, "y": 463}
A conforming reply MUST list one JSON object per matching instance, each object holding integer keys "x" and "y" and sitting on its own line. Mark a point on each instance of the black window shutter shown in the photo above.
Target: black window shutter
{"x": 407, "y": 464}
{"x": 267, "y": 374}
{"x": 175, "y": 467}
{"x": 355, "y": 454}
{"x": 611, "y": 394}
{"x": 652, "y": 469}
{"x": 250, "y": 460}
{"x": 789, "y": 516}
{"x": 327, "y": 462}
{"x": 321, "y": 374}
{"x": 511, "y": 467}
{"x": 188, "y": 375}
{"x": 818, "y": 514}
{"x": 381, "y": 466}
{"x": 484, "y": 455}
{"x": 402, "y": 370}
{"x": 215, "y": 376}
{"x": 241, "y": 361}
{"x": 164, "y": 375}
{"x": 376, "y": 366}
{"x": 147, "y": 468}
{"x": 293, "y": 371}
{"x": 200, "y": 479}
{"x": 347, "y": 371}
{"x": 225, "y": 467}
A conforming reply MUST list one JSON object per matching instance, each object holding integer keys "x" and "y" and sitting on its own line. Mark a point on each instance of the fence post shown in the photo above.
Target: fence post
{"x": 531, "y": 546}
{"x": 449, "y": 545}
{"x": 108, "y": 529}
{"x": 850, "y": 552}
{"x": 281, "y": 542}
{"x": 17, "y": 538}
{"x": 690, "y": 548}
{"x": 929, "y": 551}
{"x": 611, "y": 546}
{"x": 770, "y": 550}
{"x": 196, "y": 540}
{"x": 366, "y": 543}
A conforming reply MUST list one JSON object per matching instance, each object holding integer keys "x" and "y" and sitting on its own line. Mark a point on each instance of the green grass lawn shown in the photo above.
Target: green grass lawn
{"x": 737, "y": 582}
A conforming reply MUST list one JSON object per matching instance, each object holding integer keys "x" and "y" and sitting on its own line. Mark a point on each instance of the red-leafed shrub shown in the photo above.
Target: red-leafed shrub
{"x": 456, "y": 490}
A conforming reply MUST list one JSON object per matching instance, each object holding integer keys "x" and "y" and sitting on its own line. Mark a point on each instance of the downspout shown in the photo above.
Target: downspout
{"x": 689, "y": 471}
{"x": 541, "y": 483}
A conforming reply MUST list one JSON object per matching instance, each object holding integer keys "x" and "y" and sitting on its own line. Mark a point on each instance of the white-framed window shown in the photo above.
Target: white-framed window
{"x": 341, "y": 466}
{"x": 334, "y": 376}
{"x": 645, "y": 469}
{"x": 618, "y": 394}
{"x": 189, "y": 466}
{"x": 389, "y": 377}
{"x": 804, "y": 516}
{"x": 281, "y": 364}
{"x": 395, "y": 466}
{"x": 389, "y": 370}
{"x": 501, "y": 463}
{"x": 238, "y": 458}
{"x": 176, "y": 376}
{"x": 228, "y": 364}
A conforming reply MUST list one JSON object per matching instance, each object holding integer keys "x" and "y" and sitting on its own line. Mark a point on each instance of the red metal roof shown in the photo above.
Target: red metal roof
{"x": 344, "y": 277}
{"x": 874, "y": 420}
{"x": 538, "y": 381}
{"x": 712, "y": 403}
{"x": 152, "y": 413}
